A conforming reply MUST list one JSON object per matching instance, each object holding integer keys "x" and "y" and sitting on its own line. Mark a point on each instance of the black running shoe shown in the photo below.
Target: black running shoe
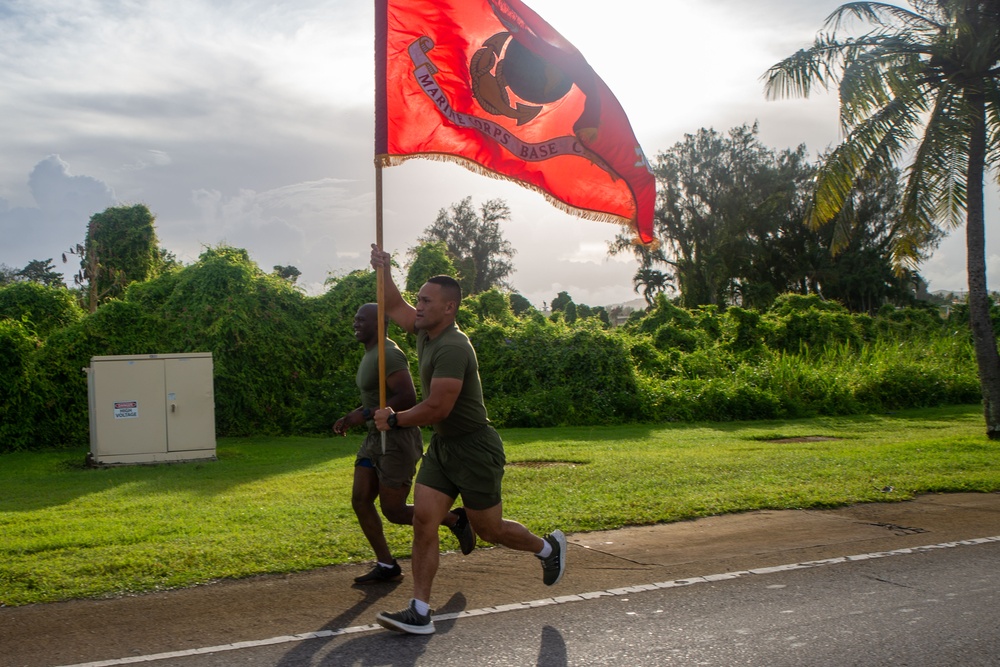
{"x": 407, "y": 620}
{"x": 463, "y": 531}
{"x": 380, "y": 575}
{"x": 555, "y": 564}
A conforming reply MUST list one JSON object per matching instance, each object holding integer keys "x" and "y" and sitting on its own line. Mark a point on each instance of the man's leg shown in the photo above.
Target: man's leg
{"x": 490, "y": 525}
{"x": 430, "y": 507}
{"x": 393, "y": 503}
{"x": 366, "y": 489}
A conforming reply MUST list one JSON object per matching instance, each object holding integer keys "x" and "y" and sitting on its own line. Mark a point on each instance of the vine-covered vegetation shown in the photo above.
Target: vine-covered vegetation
{"x": 285, "y": 362}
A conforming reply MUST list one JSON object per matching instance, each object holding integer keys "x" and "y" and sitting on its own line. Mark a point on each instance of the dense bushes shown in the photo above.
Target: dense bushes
{"x": 285, "y": 363}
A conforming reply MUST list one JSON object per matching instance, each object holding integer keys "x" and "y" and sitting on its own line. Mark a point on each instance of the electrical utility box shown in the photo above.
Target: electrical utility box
{"x": 151, "y": 408}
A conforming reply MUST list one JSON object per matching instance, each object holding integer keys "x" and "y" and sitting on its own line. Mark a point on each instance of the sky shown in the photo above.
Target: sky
{"x": 250, "y": 123}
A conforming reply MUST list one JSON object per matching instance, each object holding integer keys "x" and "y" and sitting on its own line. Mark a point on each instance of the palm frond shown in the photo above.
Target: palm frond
{"x": 796, "y": 75}
{"x": 992, "y": 94}
{"x": 872, "y": 148}
{"x": 882, "y": 14}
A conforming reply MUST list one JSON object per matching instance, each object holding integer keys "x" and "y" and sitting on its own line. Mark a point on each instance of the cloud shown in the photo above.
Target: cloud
{"x": 64, "y": 204}
{"x": 151, "y": 158}
{"x": 318, "y": 226}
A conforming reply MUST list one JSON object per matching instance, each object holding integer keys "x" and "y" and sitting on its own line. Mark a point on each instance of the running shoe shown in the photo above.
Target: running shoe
{"x": 381, "y": 575}
{"x": 463, "y": 531}
{"x": 555, "y": 564}
{"x": 407, "y": 620}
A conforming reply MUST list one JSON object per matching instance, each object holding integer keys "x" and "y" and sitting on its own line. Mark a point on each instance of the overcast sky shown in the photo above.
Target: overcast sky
{"x": 250, "y": 123}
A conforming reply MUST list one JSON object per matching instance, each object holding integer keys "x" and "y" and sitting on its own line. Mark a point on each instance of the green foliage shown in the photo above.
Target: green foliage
{"x": 730, "y": 224}
{"x": 429, "y": 259}
{"x": 519, "y": 305}
{"x": 44, "y": 309}
{"x": 559, "y": 303}
{"x": 542, "y": 373}
{"x": 42, "y": 272}
{"x": 120, "y": 249}
{"x": 19, "y": 400}
{"x": 490, "y": 305}
{"x": 285, "y": 363}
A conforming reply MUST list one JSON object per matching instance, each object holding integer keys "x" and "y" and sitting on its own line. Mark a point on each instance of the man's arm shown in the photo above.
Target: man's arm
{"x": 433, "y": 409}
{"x": 400, "y": 385}
{"x": 401, "y": 312}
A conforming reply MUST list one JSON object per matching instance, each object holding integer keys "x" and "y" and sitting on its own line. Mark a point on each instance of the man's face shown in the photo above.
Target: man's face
{"x": 366, "y": 324}
{"x": 432, "y": 308}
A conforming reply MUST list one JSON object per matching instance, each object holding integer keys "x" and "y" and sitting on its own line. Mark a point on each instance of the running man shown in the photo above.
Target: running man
{"x": 465, "y": 456}
{"x": 387, "y": 475}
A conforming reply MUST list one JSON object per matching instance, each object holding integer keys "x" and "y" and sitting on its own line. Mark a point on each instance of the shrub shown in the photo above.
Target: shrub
{"x": 43, "y": 309}
{"x": 20, "y": 403}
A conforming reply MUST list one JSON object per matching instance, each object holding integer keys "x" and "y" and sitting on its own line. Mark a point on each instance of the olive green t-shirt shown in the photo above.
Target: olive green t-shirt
{"x": 451, "y": 355}
{"x": 367, "y": 377}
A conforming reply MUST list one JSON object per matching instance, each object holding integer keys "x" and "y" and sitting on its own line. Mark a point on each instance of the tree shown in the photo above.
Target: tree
{"x": 289, "y": 273}
{"x": 921, "y": 87}
{"x": 859, "y": 272}
{"x": 719, "y": 198}
{"x": 475, "y": 243}
{"x": 120, "y": 248}
{"x": 428, "y": 259}
{"x": 519, "y": 304}
{"x": 8, "y": 274}
{"x": 731, "y": 224}
{"x": 652, "y": 282}
{"x": 42, "y": 272}
{"x": 562, "y": 300}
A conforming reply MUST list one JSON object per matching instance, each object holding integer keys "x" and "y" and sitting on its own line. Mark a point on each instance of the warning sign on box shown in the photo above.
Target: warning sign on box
{"x": 126, "y": 409}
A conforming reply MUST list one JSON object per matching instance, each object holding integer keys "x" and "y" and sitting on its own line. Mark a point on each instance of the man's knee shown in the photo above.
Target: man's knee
{"x": 396, "y": 511}
{"x": 491, "y": 531}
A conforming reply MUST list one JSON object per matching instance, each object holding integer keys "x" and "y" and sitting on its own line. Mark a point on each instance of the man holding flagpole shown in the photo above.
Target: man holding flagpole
{"x": 385, "y": 463}
{"x": 489, "y": 85}
{"x": 465, "y": 456}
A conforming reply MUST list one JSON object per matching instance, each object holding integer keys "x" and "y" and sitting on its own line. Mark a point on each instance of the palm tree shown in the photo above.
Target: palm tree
{"x": 652, "y": 282}
{"x": 920, "y": 88}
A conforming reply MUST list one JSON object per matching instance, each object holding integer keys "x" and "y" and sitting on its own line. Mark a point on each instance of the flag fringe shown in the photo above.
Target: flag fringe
{"x": 476, "y": 168}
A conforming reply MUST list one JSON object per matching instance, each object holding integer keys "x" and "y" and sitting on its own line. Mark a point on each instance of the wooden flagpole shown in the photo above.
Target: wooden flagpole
{"x": 380, "y": 291}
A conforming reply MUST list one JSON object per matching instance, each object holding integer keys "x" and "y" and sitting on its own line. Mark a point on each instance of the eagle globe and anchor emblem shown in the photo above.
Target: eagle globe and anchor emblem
{"x": 494, "y": 70}
{"x": 503, "y": 64}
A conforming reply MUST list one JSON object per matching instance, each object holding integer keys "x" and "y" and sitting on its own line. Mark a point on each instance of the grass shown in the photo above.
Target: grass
{"x": 272, "y": 505}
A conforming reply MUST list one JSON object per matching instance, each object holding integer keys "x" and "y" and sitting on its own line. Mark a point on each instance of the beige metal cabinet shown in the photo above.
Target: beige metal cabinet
{"x": 151, "y": 408}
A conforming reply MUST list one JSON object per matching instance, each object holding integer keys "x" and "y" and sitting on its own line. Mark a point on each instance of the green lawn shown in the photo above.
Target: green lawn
{"x": 283, "y": 504}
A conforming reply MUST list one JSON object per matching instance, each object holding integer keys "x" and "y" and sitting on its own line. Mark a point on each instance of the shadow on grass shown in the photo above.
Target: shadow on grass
{"x": 41, "y": 479}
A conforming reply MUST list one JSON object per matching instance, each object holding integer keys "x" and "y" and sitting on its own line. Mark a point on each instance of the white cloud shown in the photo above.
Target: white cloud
{"x": 52, "y": 224}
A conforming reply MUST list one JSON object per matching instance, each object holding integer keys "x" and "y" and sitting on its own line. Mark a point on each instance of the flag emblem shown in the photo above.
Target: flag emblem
{"x": 503, "y": 63}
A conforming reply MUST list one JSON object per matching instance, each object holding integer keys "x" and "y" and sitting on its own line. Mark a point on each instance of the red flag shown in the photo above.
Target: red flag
{"x": 491, "y": 85}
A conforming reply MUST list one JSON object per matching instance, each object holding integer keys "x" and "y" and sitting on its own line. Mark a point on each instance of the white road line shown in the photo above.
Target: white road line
{"x": 519, "y": 606}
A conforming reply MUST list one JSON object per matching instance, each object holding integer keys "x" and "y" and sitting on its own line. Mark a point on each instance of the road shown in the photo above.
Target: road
{"x": 913, "y": 583}
{"x": 929, "y": 608}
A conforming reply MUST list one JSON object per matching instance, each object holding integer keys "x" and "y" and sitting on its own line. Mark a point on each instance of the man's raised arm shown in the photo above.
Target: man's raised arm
{"x": 397, "y": 308}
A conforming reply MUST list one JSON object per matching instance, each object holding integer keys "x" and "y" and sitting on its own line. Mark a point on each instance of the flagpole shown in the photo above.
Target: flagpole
{"x": 380, "y": 277}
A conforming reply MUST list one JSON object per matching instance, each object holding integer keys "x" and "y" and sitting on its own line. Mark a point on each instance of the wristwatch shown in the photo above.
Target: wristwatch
{"x": 391, "y": 421}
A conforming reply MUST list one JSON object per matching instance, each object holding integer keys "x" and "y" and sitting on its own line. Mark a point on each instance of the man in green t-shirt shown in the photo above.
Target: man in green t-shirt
{"x": 465, "y": 456}
{"x": 385, "y": 471}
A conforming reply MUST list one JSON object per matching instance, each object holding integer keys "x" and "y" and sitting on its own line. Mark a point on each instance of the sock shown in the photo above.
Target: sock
{"x": 421, "y": 607}
{"x": 385, "y": 565}
{"x": 546, "y": 550}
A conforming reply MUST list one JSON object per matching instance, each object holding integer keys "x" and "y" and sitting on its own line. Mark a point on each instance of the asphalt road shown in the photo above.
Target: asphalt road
{"x": 934, "y": 608}
{"x": 908, "y": 583}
